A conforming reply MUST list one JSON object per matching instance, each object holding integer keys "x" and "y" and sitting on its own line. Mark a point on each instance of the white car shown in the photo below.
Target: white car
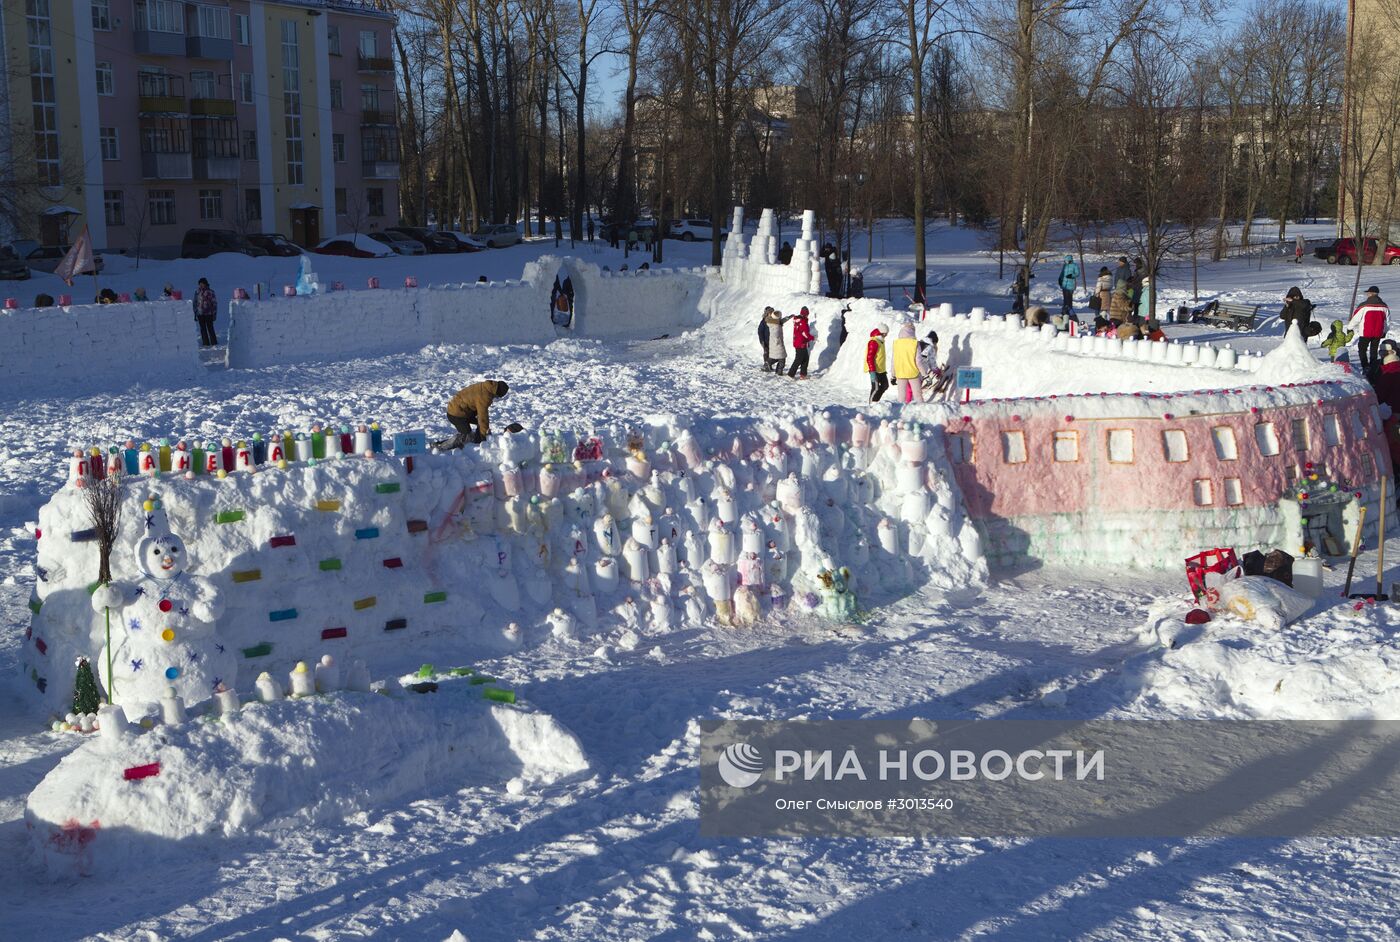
{"x": 695, "y": 230}
{"x": 498, "y": 237}
{"x": 467, "y": 243}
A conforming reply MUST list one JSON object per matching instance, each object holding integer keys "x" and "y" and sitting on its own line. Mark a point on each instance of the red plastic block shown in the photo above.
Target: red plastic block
{"x": 328, "y": 633}
{"x": 141, "y": 771}
{"x": 277, "y": 541}
{"x": 393, "y": 562}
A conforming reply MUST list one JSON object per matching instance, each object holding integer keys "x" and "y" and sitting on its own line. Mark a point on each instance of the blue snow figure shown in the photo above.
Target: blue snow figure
{"x": 1069, "y": 278}
{"x": 306, "y": 278}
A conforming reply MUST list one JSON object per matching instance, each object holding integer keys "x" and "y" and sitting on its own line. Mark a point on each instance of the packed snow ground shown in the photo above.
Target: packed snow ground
{"x": 615, "y": 855}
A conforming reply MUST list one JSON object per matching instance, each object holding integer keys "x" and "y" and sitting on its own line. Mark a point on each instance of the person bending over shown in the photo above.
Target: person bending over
{"x": 469, "y": 411}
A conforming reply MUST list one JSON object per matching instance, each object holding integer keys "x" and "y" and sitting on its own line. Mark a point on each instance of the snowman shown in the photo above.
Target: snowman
{"x": 163, "y": 624}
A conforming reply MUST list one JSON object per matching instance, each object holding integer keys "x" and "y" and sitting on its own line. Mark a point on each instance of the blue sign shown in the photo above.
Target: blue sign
{"x": 411, "y": 443}
{"x": 969, "y": 377}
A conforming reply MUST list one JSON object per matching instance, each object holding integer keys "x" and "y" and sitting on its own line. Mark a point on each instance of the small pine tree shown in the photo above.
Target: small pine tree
{"x": 85, "y": 697}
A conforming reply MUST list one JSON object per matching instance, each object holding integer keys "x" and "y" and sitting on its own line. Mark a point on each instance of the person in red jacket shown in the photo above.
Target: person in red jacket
{"x": 875, "y": 364}
{"x": 802, "y": 338}
{"x": 1371, "y": 320}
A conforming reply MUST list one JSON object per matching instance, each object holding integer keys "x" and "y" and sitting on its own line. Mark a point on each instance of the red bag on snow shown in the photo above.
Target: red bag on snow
{"x": 1220, "y": 561}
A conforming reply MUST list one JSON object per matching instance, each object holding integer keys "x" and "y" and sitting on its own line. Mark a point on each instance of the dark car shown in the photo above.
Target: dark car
{"x": 619, "y": 230}
{"x": 47, "y": 257}
{"x": 202, "y": 243}
{"x": 12, "y": 268}
{"x": 274, "y": 243}
{"x": 353, "y": 246}
{"x": 437, "y": 243}
{"x": 400, "y": 243}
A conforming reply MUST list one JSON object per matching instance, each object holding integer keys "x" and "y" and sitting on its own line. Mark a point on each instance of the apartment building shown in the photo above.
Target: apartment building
{"x": 144, "y": 118}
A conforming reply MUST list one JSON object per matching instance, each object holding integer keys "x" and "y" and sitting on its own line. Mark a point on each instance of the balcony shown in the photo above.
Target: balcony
{"x": 208, "y": 47}
{"x": 216, "y": 168}
{"x": 162, "y": 104}
{"x": 370, "y": 117}
{"x": 379, "y": 169}
{"x": 376, "y": 63}
{"x": 165, "y": 166}
{"x": 212, "y": 107}
{"x": 155, "y": 42}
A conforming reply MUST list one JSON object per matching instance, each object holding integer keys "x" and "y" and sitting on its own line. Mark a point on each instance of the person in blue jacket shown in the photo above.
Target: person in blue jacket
{"x": 1069, "y": 279}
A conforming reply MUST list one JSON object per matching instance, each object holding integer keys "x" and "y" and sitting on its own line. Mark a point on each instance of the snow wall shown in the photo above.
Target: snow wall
{"x": 85, "y": 347}
{"x": 362, "y": 557}
{"x": 345, "y": 324}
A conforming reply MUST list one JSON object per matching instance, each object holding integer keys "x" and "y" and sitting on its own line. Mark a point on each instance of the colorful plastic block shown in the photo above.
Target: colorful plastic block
{"x": 368, "y": 601}
{"x": 282, "y": 614}
{"x": 141, "y": 771}
{"x": 228, "y": 516}
{"x": 499, "y": 695}
{"x": 330, "y": 565}
{"x": 329, "y": 633}
{"x": 394, "y": 624}
{"x": 393, "y": 562}
{"x": 258, "y": 650}
{"x": 430, "y": 597}
{"x": 35, "y": 605}
{"x": 367, "y": 533}
{"x": 388, "y": 487}
{"x": 247, "y": 575}
{"x": 288, "y": 540}
{"x": 482, "y": 679}
{"x": 329, "y": 506}
{"x": 417, "y": 526}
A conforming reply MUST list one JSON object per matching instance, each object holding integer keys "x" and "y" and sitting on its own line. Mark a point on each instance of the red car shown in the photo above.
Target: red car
{"x": 1343, "y": 252}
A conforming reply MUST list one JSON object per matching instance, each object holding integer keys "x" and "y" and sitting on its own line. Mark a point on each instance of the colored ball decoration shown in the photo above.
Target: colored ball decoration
{"x": 171, "y": 673}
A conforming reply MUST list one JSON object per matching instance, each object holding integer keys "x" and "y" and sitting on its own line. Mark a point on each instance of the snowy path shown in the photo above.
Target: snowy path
{"x": 616, "y": 856}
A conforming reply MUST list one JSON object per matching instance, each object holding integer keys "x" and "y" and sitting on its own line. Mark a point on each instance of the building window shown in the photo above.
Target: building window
{"x": 333, "y": 39}
{"x": 374, "y": 199}
{"x": 291, "y": 102}
{"x": 252, "y": 204}
{"x": 161, "y": 16}
{"x": 211, "y": 204}
{"x": 1013, "y": 447}
{"x": 104, "y": 79}
{"x": 107, "y": 140}
{"x": 369, "y": 98}
{"x": 160, "y": 207}
{"x": 245, "y": 87}
{"x": 1358, "y": 425}
{"x": 342, "y": 201}
{"x": 112, "y": 210}
{"x": 960, "y": 448}
{"x": 1266, "y": 437}
{"x": 102, "y": 14}
{"x": 337, "y": 95}
{"x": 1066, "y": 446}
{"x": 42, "y": 92}
{"x": 250, "y": 145}
{"x": 1120, "y": 446}
{"x": 211, "y": 22}
{"x": 1174, "y": 445}
{"x": 338, "y": 148}
{"x": 1202, "y": 492}
{"x": 204, "y": 84}
{"x": 240, "y": 28}
{"x": 1331, "y": 430}
{"x": 369, "y": 43}
{"x": 1234, "y": 494}
{"x": 1223, "y": 437}
{"x": 1300, "y": 435}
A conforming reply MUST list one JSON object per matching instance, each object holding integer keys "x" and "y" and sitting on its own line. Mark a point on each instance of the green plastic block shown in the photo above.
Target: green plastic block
{"x": 228, "y": 516}
{"x": 427, "y": 670}
{"x": 431, "y": 597}
{"x": 35, "y": 605}
{"x": 330, "y": 565}
{"x": 499, "y": 695}
{"x": 258, "y": 650}
{"x": 388, "y": 487}
{"x": 482, "y": 679}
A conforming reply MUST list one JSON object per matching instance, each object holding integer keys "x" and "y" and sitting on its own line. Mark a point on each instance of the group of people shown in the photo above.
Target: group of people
{"x": 770, "y": 337}
{"x": 910, "y": 365}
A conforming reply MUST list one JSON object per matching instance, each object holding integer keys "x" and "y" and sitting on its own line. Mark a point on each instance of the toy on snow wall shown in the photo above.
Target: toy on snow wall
{"x": 166, "y": 633}
{"x": 838, "y": 601}
{"x": 1220, "y": 561}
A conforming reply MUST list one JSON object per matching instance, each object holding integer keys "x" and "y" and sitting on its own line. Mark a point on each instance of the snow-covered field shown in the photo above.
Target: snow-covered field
{"x": 615, "y": 854}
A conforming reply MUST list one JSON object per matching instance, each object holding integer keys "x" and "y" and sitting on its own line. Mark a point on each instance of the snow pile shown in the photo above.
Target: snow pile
{"x": 1292, "y": 362}
{"x": 286, "y": 762}
{"x": 1338, "y": 664}
{"x": 634, "y": 529}
{"x": 345, "y": 324}
{"x": 96, "y": 346}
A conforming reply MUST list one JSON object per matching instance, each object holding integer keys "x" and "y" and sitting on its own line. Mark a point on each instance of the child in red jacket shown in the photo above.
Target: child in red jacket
{"x": 802, "y": 338}
{"x": 875, "y": 364}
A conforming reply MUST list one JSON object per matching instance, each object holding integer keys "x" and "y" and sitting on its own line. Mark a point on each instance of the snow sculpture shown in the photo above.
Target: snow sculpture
{"x": 838, "y": 602}
{"x": 166, "y": 634}
{"x": 306, "y": 278}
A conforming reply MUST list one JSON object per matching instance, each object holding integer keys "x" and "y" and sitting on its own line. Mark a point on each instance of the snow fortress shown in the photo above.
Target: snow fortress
{"x": 643, "y": 527}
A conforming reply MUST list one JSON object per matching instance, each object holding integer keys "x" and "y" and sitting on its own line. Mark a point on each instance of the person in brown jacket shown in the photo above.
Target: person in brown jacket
{"x": 470, "y": 411}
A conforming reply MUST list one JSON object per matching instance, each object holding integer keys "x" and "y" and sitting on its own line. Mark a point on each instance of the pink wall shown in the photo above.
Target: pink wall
{"x": 1041, "y": 485}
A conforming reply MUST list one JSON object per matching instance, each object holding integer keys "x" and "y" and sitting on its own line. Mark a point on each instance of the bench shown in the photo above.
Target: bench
{"x": 1231, "y": 315}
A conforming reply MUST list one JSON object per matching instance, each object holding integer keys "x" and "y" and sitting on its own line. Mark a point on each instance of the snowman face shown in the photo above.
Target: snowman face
{"x": 164, "y": 558}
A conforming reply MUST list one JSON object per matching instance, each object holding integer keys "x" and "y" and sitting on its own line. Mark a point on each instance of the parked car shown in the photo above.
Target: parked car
{"x": 202, "y": 243}
{"x": 692, "y": 230}
{"x": 437, "y": 243}
{"x": 47, "y": 257}
{"x": 353, "y": 246}
{"x": 274, "y": 243}
{"x": 400, "y": 243}
{"x": 498, "y": 237}
{"x": 465, "y": 243}
{"x": 12, "y": 267}
{"x": 1343, "y": 252}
